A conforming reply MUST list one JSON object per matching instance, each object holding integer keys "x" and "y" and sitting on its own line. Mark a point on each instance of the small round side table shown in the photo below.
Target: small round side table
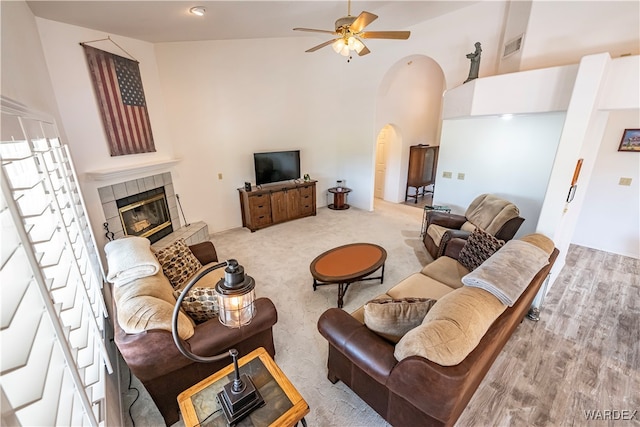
{"x": 339, "y": 198}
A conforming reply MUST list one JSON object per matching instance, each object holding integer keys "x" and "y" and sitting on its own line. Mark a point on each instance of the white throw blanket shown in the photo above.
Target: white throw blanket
{"x": 130, "y": 258}
{"x": 508, "y": 272}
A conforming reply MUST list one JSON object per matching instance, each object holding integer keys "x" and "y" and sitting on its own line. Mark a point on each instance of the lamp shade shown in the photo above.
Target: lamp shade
{"x": 236, "y": 296}
{"x": 338, "y": 45}
{"x": 356, "y": 44}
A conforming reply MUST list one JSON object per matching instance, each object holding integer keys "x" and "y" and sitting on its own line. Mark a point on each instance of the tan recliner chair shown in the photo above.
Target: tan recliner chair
{"x": 492, "y": 214}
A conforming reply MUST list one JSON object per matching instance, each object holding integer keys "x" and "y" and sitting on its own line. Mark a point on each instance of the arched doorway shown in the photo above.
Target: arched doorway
{"x": 409, "y": 112}
{"x": 384, "y": 143}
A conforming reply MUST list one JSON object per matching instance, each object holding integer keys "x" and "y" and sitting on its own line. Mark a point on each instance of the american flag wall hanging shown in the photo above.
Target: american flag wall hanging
{"x": 118, "y": 87}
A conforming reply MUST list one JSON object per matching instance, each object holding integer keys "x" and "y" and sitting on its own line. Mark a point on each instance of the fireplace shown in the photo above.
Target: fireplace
{"x": 145, "y": 214}
{"x": 129, "y": 205}
{"x": 161, "y": 199}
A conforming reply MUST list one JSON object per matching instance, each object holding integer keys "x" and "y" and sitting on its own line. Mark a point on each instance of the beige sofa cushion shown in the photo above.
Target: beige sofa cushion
{"x": 147, "y": 303}
{"x": 452, "y": 328}
{"x": 392, "y": 318}
{"x": 419, "y": 286}
{"x": 446, "y": 270}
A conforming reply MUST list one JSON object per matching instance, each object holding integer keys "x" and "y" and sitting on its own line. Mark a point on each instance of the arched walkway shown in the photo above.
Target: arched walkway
{"x": 409, "y": 111}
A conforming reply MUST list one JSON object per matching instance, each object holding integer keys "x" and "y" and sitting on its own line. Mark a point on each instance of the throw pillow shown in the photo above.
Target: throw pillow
{"x": 392, "y": 318}
{"x": 201, "y": 303}
{"x": 479, "y": 247}
{"x": 178, "y": 263}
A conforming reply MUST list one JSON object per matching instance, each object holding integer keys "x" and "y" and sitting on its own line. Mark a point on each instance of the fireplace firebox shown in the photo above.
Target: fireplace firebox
{"x": 145, "y": 214}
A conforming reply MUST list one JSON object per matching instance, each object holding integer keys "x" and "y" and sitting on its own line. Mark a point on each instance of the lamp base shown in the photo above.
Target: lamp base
{"x": 236, "y": 406}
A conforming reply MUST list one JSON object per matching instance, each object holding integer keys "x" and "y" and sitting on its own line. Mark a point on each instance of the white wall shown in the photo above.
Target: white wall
{"x": 510, "y": 158}
{"x": 610, "y": 217}
{"x": 24, "y": 71}
{"x": 515, "y": 26}
{"x": 562, "y": 32}
{"x": 80, "y": 114}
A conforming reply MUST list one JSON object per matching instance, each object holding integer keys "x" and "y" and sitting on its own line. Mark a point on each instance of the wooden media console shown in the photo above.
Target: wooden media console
{"x": 277, "y": 203}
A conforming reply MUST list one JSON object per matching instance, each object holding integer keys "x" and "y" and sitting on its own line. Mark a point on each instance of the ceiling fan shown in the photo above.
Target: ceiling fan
{"x": 350, "y": 32}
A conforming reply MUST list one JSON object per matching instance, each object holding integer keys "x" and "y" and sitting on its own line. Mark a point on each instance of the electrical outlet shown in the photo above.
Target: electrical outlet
{"x": 624, "y": 181}
{"x": 219, "y": 176}
{"x": 446, "y": 174}
{"x": 460, "y": 176}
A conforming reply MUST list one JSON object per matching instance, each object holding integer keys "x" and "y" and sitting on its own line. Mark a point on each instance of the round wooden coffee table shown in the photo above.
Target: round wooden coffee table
{"x": 347, "y": 264}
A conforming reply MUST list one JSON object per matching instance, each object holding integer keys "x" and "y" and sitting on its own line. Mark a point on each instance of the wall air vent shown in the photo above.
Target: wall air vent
{"x": 513, "y": 46}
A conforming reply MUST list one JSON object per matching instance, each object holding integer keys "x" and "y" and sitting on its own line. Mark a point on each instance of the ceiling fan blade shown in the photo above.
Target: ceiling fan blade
{"x": 364, "y": 51}
{"x": 364, "y": 19}
{"x": 312, "y": 30}
{"x": 320, "y": 46}
{"x": 399, "y": 35}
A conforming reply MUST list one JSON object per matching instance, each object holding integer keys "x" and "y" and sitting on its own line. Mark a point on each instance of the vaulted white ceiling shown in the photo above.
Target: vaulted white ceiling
{"x": 170, "y": 21}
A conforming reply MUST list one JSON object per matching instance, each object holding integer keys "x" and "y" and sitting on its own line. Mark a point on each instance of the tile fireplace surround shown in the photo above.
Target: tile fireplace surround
{"x": 193, "y": 233}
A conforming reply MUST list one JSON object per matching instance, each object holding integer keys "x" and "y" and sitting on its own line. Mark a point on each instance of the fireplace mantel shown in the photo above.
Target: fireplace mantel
{"x": 107, "y": 174}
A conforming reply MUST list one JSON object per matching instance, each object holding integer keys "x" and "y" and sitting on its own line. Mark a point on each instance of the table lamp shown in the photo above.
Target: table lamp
{"x": 236, "y": 297}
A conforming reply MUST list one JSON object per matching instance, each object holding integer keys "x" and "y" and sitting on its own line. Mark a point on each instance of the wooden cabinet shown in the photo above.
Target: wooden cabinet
{"x": 277, "y": 203}
{"x": 423, "y": 160}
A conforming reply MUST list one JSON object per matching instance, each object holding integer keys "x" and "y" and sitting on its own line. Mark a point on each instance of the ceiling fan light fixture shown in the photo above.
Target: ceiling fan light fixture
{"x": 345, "y": 51}
{"x": 198, "y": 10}
{"x": 338, "y": 45}
{"x": 355, "y": 44}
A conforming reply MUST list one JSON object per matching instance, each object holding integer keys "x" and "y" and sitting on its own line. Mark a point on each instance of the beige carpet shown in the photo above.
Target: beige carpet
{"x": 525, "y": 387}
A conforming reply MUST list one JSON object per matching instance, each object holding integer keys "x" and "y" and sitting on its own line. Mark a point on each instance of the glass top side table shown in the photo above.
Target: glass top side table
{"x": 284, "y": 406}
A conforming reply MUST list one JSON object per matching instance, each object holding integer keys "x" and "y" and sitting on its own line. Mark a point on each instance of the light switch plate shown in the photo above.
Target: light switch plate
{"x": 460, "y": 175}
{"x": 624, "y": 181}
{"x": 447, "y": 174}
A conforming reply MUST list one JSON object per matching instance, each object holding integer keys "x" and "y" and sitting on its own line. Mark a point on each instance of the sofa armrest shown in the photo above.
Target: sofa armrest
{"x": 445, "y": 219}
{"x": 205, "y": 252}
{"x": 454, "y": 247}
{"x": 153, "y": 353}
{"x": 369, "y": 351}
{"x": 212, "y": 336}
{"x": 448, "y": 236}
{"x": 509, "y": 229}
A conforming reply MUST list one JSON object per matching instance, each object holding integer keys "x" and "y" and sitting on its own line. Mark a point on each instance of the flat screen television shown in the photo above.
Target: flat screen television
{"x": 276, "y": 166}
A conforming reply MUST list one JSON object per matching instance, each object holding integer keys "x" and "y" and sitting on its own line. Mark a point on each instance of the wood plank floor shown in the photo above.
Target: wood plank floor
{"x": 583, "y": 355}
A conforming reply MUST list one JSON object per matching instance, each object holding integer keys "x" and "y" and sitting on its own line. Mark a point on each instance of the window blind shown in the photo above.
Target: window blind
{"x": 53, "y": 360}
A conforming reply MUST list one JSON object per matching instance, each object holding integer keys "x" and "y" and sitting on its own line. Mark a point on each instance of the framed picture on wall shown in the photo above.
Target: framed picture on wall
{"x": 630, "y": 140}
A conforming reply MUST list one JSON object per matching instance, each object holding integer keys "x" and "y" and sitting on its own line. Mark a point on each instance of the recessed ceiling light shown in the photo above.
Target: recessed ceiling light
{"x": 198, "y": 10}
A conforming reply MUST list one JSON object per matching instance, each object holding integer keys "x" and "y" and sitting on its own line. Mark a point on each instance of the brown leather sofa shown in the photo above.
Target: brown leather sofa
{"x": 155, "y": 360}
{"x": 417, "y": 391}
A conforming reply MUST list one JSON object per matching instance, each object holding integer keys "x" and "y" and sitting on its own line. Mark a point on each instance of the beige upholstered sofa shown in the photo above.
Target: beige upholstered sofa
{"x": 429, "y": 375}
{"x": 143, "y": 303}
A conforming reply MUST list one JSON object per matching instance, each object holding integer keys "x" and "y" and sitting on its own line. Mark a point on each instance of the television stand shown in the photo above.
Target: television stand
{"x": 277, "y": 203}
